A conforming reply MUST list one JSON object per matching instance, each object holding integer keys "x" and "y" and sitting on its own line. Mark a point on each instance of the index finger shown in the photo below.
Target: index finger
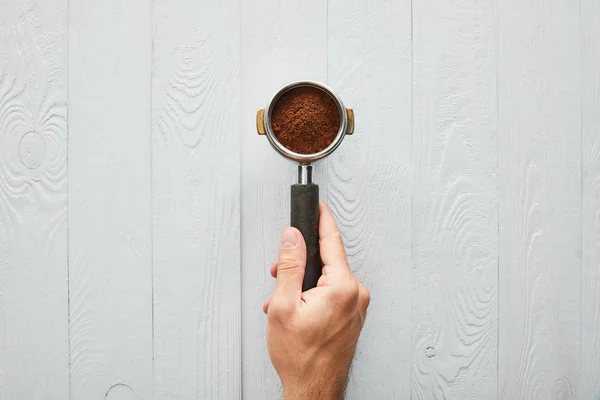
{"x": 331, "y": 245}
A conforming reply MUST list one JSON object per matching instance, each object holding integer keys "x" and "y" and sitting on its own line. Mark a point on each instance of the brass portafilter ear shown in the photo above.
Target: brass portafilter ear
{"x": 305, "y": 194}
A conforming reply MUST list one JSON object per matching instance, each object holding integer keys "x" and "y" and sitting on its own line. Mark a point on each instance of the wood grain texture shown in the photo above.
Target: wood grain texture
{"x": 455, "y": 203}
{"x": 370, "y": 180}
{"x": 110, "y": 226}
{"x": 282, "y": 41}
{"x": 589, "y": 367}
{"x": 540, "y": 204}
{"x": 196, "y": 199}
{"x": 34, "y": 358}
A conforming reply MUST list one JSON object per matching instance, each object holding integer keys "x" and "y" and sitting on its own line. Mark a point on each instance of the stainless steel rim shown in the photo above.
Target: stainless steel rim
{"x": 306, "y": 158}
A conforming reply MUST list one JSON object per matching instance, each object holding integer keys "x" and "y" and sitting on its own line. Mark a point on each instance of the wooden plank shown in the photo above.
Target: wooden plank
{"x": 455, "y": 205}
{"x": 282, "y": 41}
{"x": 370, "y": 180}
{"x": 34, "y": 342}
{"x": 196, "y": 199}
{"x": 589, "y": 382}
{"x": 540, "y": 207}
{"x": 110, "y": 222}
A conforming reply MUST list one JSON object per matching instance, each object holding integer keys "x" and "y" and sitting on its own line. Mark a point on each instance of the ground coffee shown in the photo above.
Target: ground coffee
{"x": 305, "y": 120}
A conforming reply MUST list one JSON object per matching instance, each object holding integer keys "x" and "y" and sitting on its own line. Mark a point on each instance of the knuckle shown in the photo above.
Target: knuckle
{"x": 333, "y": 235}
{"x": 354, "y": 290}
{"x": 323, "y": 281}
{"x": 348, "y": 293}
{"x": 279, "y": 311}
{"x": 288, "y": 262}
{"x": 365, "y": 297}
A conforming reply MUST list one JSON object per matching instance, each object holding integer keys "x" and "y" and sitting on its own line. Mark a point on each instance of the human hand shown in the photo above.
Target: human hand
{"x": 312, "y": 335}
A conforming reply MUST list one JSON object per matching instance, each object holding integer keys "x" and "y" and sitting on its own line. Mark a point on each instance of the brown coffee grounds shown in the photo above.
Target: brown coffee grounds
{"x": 305, "y": 120}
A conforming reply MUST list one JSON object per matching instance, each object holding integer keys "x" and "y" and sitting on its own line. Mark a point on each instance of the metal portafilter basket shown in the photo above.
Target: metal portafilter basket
{"x": 305, "y": 194}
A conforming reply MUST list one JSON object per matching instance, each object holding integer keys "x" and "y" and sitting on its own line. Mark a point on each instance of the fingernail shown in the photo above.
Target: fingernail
{"x": 289, "y": 238}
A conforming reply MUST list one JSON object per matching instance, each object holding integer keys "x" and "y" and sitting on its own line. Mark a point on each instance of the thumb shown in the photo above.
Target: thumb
{"x": 290, "y": 268}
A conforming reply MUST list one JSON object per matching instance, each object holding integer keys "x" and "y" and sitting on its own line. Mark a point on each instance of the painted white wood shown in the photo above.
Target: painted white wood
{"x": 455, "y": 201}
{"x": 34, "y": 358}
{"x": 282, "y": 41}
{"x": 589, "y": 355}
{"x": 110, "y": 224}
{"x": 196, "y": 199}
{"x": 540, "y": 199}
{"x": 370, "y": 180}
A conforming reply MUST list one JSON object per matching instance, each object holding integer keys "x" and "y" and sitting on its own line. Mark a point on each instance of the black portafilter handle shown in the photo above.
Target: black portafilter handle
{"x": 305, "y": 217}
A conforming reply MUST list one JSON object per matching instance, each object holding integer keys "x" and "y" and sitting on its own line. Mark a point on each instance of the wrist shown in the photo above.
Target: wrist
{"x": 322, "y": 387}
{"x": 328, "y": 392}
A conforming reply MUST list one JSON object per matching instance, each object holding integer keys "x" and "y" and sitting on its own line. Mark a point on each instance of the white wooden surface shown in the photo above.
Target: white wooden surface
{"x": 34, "y": 329}
{"x": 540, "y": 269}
{"x": 589, "y": 364}
{"x": 455, "y": 200}
{"x": 196, "y": 199}
{"x": 110, "y": 219}
{"x": 134, "y": 264}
